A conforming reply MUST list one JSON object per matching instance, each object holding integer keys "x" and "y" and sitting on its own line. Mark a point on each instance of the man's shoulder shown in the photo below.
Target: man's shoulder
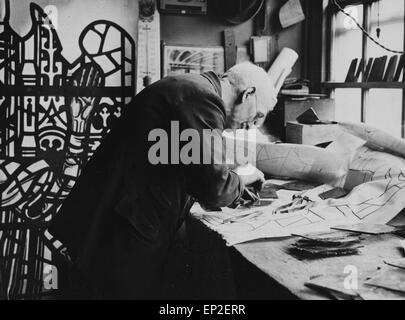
{"x": 185, "y": 93}
{"x": 186, "y": 84}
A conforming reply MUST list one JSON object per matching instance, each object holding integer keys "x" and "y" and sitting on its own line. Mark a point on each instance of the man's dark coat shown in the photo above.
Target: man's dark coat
{"x": 121, "y": 216}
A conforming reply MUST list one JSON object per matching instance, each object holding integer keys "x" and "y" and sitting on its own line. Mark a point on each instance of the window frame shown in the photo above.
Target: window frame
{"x": 329, "y": 25}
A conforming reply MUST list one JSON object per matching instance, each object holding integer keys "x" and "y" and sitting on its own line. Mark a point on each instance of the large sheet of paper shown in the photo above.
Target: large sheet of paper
{"x": 376, "y": 139}
{"x": 377, "y": 200}
{"x": 285, "y": 160}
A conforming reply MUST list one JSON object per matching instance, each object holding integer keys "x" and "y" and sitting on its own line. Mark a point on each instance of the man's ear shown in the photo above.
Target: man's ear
{"x": 249, "y": 91}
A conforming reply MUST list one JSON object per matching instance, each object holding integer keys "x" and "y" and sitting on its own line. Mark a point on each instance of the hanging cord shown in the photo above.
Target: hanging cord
{"x": 364, "y": 30}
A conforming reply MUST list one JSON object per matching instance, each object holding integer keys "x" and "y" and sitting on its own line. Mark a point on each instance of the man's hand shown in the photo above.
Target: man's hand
{"x": 250, "y": 175}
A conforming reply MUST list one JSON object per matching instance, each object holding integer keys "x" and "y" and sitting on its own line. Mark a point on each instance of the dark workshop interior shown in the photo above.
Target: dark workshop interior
{"x": 311, "y": 205}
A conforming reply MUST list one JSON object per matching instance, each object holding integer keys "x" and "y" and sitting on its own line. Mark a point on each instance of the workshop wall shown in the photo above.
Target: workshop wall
{"x": 208, "y": 30}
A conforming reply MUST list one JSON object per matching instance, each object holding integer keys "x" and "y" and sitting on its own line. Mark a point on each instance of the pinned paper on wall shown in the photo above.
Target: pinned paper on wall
{"x": 291, "y": 13}
{"x": 260, "y": 47}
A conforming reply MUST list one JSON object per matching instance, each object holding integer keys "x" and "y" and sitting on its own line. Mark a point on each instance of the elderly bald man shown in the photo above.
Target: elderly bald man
{"x": 122, "y": 215}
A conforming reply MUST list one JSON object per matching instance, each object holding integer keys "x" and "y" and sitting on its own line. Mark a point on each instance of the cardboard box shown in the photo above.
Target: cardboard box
{"x": 311, "y": 134}
{"x": 324, "y": 108}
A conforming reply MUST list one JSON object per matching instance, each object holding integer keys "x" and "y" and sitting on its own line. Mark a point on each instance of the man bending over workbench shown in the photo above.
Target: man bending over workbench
{"x": 121, "y": 217}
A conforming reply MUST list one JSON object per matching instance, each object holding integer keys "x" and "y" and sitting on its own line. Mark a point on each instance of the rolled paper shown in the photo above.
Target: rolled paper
{"x": 282, "y": 160}
{"x": 376, "y": 139}
{"x": 282, "y": 67}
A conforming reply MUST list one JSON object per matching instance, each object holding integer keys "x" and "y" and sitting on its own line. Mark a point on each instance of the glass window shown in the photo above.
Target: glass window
{"x": 347, "y": 42}
{"x": 382, "y": 107}
{"x": 390, "y": 15}
{"x": 348, "y": 105}
{"x": 384, "y": 110}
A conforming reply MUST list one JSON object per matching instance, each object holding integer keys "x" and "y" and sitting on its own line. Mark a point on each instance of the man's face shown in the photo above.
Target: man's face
{"x": 248, "y": 112}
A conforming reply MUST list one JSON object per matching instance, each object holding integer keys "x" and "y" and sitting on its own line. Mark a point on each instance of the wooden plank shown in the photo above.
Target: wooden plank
{"x": 69, "y": 91}
{"x": 271, "y": 257}
{"x": 401, "y": 65}
{"x": 360, "y": 70}
{"x": 313, "y": 52}
{"x": 230, "y": 48}
{"x": 351, "y": 74}
{"x": 364, "y": 85}
{"x": 367, "y": 71}
{"x": 390, "y": 73}
{"x": 377, "y": 71}
{"x": 401, "y": 61}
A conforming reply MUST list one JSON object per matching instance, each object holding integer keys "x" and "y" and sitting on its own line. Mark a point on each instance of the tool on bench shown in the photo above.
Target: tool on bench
{"x": 251, "y": 196}
{"x": 243, "y": 217}
{"x": 298, "y": 202}
{"x": 252, "y": 193}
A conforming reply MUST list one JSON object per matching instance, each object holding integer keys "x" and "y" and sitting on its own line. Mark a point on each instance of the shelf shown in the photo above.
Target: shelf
{"x": 364, "y": 85}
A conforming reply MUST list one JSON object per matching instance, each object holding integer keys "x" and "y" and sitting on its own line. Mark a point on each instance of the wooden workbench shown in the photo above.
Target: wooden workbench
{"x": 214, "y": 271}
{"x": 271, "y": 257}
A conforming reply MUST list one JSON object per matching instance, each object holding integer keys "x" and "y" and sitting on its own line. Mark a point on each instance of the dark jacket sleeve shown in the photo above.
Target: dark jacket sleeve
{"x": 213, "y": 184}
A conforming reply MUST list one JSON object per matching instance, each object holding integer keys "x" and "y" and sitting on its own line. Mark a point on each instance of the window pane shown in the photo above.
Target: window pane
{"x": 347, "y": 43}
{"x": 348, "y": 105}
{"x": 383, "y": 110}
{"x": 391, "y": 25}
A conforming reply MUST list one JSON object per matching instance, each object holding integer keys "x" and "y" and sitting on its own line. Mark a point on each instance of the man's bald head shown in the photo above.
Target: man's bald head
{"x": 249, "y": 80}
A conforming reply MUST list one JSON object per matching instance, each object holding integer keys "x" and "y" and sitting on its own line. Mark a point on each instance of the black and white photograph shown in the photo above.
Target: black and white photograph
{"x": 202, "y": 154}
